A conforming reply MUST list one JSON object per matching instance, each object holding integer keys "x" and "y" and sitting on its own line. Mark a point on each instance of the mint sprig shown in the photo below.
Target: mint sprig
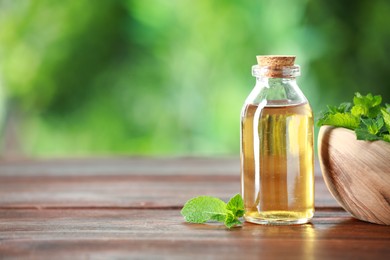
{"x": 367, "y": 117}
{"x": 206, "y": 208}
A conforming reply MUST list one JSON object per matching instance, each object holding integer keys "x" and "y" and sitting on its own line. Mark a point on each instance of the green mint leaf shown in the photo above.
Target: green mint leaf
{"x": 368, "y": 105}
{"x": 231, "y": 221}
{"x": 368, "y": 100}
{"x": 367, "y": 117}
{"x": 358, "y": 111}
{"x": 204, "y": 208}
{"x": 236, "y": 205}
{"x": 373, "y": 125}
{"x": 364, "y": 134}
{"x": 332, "y": 109}
{"x": 342, "y": 108}
{"x": 387, "y": 106}
{"x": 386, "y": 138}
{"x": 386, "y": 118}
{"x": 219, "y": 217}
{"x": 340, "y": 120}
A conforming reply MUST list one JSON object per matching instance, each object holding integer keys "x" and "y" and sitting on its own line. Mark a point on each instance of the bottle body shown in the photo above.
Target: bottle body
{"x": 277, "y": 156}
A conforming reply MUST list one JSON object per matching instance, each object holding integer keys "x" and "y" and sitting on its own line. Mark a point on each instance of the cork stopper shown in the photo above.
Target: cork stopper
{"x": 277, "y": 61}
{"x": 276, "y": 66}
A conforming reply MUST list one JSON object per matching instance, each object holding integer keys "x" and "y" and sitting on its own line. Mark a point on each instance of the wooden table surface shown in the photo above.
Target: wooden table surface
{"x": 130, "y": 208}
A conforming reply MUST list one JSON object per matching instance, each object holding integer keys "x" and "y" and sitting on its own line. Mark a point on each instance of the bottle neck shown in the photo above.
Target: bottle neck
{"x": 277, "y": 91}
{"x": 276, "y": 72}
{"x": 275, "y": 82}
{"x": 276, "y": 86}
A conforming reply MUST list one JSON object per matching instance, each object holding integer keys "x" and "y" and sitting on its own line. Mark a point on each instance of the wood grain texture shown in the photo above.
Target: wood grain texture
{"x": 357, "y": 173}
{"x": 121, "y": 208}
{"x": 124, "y": 183}
{"x": 163, "y": 234}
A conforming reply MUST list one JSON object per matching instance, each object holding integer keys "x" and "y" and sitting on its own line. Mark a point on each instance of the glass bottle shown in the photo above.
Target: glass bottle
{"x": 277, "y": 157}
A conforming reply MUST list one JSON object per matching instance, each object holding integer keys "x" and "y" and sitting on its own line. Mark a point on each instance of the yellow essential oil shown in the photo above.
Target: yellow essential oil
{"x": 281, "y": 190}
{"x": 277, "y": 160}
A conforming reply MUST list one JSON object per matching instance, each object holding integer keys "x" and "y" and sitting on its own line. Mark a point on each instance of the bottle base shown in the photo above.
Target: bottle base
{"x": 278, "y": 217}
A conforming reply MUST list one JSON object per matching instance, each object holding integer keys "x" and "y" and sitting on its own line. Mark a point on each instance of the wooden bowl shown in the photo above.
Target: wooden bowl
{"x": 357, "y": 173}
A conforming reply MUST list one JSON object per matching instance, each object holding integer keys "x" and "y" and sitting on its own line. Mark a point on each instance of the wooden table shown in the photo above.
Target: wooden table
{"x": 130, "y": 208}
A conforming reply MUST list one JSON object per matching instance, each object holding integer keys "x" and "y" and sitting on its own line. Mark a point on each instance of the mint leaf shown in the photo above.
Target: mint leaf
{"x": 340, "y": 120}
{"x": 368, "y": 105}
{"x": 386, "y": 118}
{"x": 236, "y": 205}
{"x": 231, "y": 221}
{"x": 368, "y": 100}
{"x": 219, "y": 217}
{"x": 373, "y": 126}
{"x": 364, "y": 134}
{"x": 358, "y": 111}
{"x": 387, "y": 106}
{"x": 386, "y": 138}
{"x": 342, "y": 108}
{"x": 204, "y": 208}
{"x": 367, "y": 117}
{"x": 327, "y": 118}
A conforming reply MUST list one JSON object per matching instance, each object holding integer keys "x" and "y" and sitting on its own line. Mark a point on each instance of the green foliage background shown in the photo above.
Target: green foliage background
{"x": 168, "y": 77}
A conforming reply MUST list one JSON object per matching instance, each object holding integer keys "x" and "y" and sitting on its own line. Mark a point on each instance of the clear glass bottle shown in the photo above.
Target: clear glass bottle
{"x": 277, "y": 157}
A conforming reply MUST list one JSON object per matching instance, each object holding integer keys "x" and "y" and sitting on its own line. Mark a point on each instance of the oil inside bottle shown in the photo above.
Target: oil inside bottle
{"x": 277, "y": 163}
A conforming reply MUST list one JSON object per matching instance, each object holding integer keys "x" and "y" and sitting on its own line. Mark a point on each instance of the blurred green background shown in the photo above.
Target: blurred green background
{"x": 169, "y": 77}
